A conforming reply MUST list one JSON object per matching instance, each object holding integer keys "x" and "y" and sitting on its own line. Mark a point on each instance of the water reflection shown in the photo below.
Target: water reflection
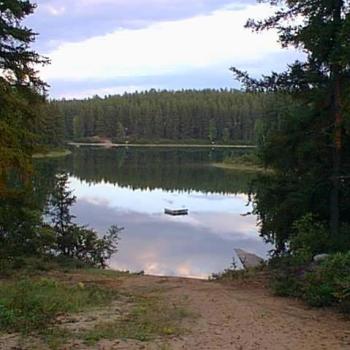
{"x": 131, "y": 189}
{"x": 191, "y": 246}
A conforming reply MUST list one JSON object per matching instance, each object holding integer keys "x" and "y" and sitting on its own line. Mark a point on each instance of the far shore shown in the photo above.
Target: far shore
{"x": 52, "y": 154}
{"x": 154, "y": 145}
{"x": 240, "y": 166}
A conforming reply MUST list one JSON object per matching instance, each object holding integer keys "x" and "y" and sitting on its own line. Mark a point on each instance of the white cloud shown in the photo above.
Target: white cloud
{"x": 54, "y": 10}
{"x": 165, "y": 47}
{"x": 114, "y": 90}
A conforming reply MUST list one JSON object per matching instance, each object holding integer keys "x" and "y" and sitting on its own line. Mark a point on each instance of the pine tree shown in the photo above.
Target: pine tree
{"x": 311, "y": 145}
{"x": 62, "y": 220}
{"x": 20, "y": 90}
{"x": 72, "y": 240}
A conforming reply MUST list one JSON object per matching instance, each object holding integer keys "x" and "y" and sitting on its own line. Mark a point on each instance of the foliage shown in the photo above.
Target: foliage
{"x": 287, "y": 274}
{"x": 32, "y": 305}
{"x": 325, "y": 284}
{"x": 20, "y": 92}
{"x": 21, "y": 230}
{"x": 73, "y": 240}
{"x": 310, "y": 238}
{"x": 305, "y": 141}
{"x": 247, "y": 158}
{"x": 256, "y": 275}
{"x": 329, "y": 283}
{"x": 220, "y": 116}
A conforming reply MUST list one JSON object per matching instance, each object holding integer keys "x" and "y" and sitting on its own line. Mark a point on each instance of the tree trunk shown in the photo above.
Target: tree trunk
{"x": 337, "y": 147}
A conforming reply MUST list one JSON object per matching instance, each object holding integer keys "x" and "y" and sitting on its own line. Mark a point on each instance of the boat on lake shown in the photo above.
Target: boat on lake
{"x": 175, "y": 212}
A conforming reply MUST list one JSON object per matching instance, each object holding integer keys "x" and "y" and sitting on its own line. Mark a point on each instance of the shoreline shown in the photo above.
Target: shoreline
{"x": 153, "y": 145}
{"x": 52, "y": 154}
{"x": 240, "y": 166}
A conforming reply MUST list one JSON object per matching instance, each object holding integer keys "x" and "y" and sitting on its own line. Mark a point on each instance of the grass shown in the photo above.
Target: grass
{"x": 148, "y": 319}
{"x": 52, "y": 154}
{"x": 35, "y": 304}
{"x": 245, "y": 162}
{"x": 32, "y": 305}
{"x": 258, "y": 276}
{"x": 240, "y": 167}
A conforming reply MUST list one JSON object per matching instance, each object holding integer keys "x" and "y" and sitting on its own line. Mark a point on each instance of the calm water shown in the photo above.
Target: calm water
{"x": 131, "y": 188}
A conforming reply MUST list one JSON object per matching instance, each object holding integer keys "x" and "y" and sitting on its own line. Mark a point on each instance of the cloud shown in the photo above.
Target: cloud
{"x": 171, "y": 247}
{"x": 215, "y": 77}
{"x": 55, "y": 10}
{"x": 61, "y": 20}
{"x": 218, "y": 39}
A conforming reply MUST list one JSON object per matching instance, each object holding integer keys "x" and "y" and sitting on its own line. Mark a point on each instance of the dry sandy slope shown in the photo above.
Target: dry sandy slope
{"x": 228, "y": 316}
{"x": 247, "y": 318}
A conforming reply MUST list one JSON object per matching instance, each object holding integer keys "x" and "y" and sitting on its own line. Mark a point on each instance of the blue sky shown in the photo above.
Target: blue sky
{"x": 111, "y": 46}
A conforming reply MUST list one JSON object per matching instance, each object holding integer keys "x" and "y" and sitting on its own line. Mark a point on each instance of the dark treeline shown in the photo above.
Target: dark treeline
{"x": 223, "y": 116}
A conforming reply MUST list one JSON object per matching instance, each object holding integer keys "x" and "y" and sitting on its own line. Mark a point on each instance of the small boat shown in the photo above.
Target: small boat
{"x": 176, "y": 212}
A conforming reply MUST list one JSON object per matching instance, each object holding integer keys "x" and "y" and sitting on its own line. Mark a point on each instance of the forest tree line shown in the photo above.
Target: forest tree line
{"x": 220, "y": 116}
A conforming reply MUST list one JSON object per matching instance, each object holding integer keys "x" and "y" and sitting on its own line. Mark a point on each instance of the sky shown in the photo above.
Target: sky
{"x": 102, "y": 47}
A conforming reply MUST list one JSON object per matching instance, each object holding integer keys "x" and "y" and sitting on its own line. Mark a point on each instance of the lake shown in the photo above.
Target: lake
{"x": 131, "y": 188}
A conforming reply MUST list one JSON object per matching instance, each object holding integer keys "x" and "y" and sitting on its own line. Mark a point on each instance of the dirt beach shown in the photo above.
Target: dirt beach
{"x": 223, "y": 316}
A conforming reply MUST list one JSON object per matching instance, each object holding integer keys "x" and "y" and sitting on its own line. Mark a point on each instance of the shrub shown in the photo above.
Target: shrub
{"x": 310, "y": 238}
{"x": 320, "y": 285}
{"x": 329, "y": 283}
{"x": 286, "y": 274}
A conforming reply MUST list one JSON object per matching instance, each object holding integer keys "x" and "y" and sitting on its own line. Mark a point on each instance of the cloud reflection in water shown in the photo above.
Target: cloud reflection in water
{"x": 191, "y": 246}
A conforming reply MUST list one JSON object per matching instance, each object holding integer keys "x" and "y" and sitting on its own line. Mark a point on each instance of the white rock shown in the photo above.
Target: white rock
{"x": 320, "y": 257}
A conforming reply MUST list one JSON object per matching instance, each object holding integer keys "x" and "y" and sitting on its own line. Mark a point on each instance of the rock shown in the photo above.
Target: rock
{"x": 247, "y": 259}
{"x": 320, "y": 257}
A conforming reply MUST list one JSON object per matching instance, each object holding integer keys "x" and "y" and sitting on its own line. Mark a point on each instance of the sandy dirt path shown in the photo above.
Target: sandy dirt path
{"x": 232, "y": 316}
{"x": 244, "y": 318}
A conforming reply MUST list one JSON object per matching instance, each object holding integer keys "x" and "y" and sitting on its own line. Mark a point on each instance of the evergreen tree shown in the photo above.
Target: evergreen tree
{"x": 59, "y": 209}
{"x": 120, "y": 134}
{"x": 72, "y": 240}
{"x": 226, "y": 135}
{"x": 309, "y": 146}
{"x": 20, "y": 90}
{"x": 212, "y": 134}
{"x": 178, "y": 116}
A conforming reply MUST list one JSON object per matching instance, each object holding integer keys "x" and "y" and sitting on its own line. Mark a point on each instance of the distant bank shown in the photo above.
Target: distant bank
{"x": 52, "y": 154}
{"x": 175, "y": 145}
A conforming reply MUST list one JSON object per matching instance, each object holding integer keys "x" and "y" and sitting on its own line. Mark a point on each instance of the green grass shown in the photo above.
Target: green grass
{"x": 240, "y": 167}
{"x": 246, "y": 162}
{"x": 232, "y": 274}
{"x": 52, "y": 154}
{"x": 33, "y": 266}
{"x": 31, "y": 305}
{"x": 148, "y": 319}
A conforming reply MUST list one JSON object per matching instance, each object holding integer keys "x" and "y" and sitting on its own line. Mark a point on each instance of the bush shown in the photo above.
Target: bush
{"x": 310, "y": 238}
{"x": 286, "y": 274}
{"x": 320, "y": 285}
{"x": 313, "y": 237}
{"x": 329, "y": 283}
